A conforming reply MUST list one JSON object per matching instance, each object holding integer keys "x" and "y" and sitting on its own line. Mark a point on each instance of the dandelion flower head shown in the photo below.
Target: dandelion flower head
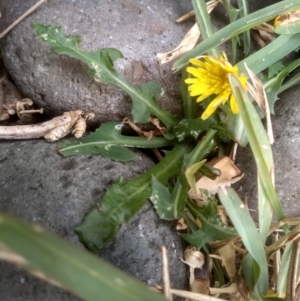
{"x": 210, "y": 77}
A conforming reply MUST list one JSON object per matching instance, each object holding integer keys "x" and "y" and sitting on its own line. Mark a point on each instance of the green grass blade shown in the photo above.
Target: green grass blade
{"x": 76, "y": 270}
{"x": 246, "y": 228}
{"x": 243, "y": 5}
{"x": 260, "y": 146}
{"x": 283, "y": 270}
{"x": 236, "y": 28}
{"x": 101, "y": 65}
{"x": 270, "y": 54}
{"x": 202, "y": 149}
{"x": 233, "y": 14}
{"x": 108, "y": 142}
{"x": 204, "y": 23}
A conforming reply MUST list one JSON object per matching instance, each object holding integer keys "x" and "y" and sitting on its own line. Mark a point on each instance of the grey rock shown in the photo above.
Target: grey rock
{"x": 38, "y": 185}
{"x": 286, "y": 127}
{"x": 139, "y": 29}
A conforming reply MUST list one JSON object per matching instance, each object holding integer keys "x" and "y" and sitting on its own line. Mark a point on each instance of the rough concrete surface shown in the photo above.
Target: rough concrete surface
{"x": 40, "y": 186}
{"x": 139, "y": 29}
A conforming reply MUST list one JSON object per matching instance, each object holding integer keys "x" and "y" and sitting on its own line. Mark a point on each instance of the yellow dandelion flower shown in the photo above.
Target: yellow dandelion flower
{"x": 210, "y": 77}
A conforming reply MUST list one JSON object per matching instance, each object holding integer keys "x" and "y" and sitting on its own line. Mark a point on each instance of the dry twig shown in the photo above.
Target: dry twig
{"x": 51, "y": 130}
{"x": 165, "y": 274}
{"x": 9, "y": 28}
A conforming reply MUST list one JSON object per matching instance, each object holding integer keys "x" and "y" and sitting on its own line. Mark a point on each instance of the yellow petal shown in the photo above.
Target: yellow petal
{"x": 233, "y": 105}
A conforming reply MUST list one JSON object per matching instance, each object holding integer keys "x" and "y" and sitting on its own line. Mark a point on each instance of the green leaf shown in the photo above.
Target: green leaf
{"x": 168, "y": 205}
{"x": 212, "y": 227}
{"x": 162, "y": 200}
{"x": 246, "y": 228}
{"x": 190, "y": 127}
{"x": 272, "y": 87}
{"x": 124, "y": 199}
{"x": 236, "y": 28}
{"x": 205, "y": 147}
{"x": 108, "y": 142}
{"x": 101, "y": 65}
{"x": 179, "y": 195}
{"x": 151, "y": 91}
{"x": 38, "y": 251}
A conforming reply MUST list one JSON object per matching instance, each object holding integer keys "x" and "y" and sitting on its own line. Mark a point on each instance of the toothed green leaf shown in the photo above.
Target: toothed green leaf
{"x": 101, "y": 65}
{"x": 124, "y": 199}
{"x": 108, "y": 142}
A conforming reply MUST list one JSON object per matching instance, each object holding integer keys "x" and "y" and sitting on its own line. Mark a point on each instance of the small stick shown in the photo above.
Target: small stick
{"x": 138, "y": 131}
{"x": 31, "y": 111}
{"x": 165, "y": 274}
{"x": 33, "y": 8}
{"x": 292, "y": 280}
{"x": 32, "y": 131}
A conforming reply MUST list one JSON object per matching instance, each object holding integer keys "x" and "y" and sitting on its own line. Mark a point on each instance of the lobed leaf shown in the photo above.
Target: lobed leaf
{"x": 162, "y": 200}
{"x": 47, "y": 255}
{"x": 168, "y": 205}
{"x": 108, "y": 142}
{"x": 189, "y": 127}
{"x": 124, "y": 199}
{"x": 272, "y": 87}
{"x": 101, "y": 65}
{"x": 212, "y": 227}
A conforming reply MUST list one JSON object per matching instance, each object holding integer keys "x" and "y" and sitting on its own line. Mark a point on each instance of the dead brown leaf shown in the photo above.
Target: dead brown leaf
{"x": 263, "y": 34}
{"x": 190, "y": 39}
{"x": 229, "y": 175}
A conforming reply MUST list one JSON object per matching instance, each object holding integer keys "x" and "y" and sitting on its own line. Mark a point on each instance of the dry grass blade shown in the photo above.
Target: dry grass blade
{"x": 190, "y": 39}
{"x": 186, "y": 16}
{"x": 291, "y": 236}
{"x": 263, "y": 34}
{"x": 293, "y": 274}
{"x": 188, "y": 43}
{"x": 276, "y": 263}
